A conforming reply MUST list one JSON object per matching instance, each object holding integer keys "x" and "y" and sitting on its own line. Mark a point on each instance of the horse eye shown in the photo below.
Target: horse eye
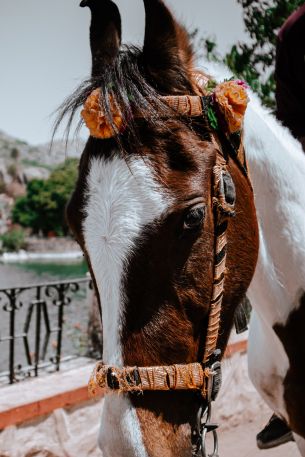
{"x": 194, "y": 218}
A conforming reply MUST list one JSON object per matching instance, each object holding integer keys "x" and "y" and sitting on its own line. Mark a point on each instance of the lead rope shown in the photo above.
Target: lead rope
{"x": 224, "y": 205}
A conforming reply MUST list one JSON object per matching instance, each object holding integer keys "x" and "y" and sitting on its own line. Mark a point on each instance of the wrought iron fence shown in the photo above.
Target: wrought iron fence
{"x": 38, "y": 325}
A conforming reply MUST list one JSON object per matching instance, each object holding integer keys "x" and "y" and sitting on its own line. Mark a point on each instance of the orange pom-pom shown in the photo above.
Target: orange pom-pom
{"x": 96, "y": 120}
{"x": 232, "y": 100}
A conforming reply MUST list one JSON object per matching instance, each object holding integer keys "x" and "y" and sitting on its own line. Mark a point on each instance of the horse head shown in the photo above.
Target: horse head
{"x": 143, "y": 213}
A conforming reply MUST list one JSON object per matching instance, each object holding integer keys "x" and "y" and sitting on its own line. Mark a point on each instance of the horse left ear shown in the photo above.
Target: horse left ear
{"x": 105, "y": 33}
{"x": 167, "y": 49}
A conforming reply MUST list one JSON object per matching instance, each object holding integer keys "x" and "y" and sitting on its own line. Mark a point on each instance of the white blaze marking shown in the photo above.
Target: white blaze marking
{"x": 121, "y": 200}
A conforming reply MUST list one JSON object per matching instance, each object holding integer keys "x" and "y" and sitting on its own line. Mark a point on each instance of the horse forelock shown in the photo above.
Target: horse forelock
{"x": 128, "y": 82}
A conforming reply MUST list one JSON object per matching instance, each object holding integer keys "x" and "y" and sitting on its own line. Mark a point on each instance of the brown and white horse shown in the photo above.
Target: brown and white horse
{"x": 142, "y": 211}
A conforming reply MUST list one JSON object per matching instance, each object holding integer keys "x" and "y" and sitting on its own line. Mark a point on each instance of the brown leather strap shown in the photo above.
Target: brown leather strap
{"x": 184, "y": 105}
{"x": 222, "y": 211}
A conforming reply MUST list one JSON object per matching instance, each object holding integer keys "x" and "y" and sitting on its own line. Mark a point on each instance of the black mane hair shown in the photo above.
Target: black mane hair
{"x": 125, "y": 81}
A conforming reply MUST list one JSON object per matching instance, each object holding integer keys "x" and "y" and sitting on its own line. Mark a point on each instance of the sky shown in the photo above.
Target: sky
{"x": 44, "y": 52}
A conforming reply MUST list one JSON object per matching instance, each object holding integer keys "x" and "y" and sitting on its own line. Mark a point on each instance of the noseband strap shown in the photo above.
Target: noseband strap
{"x": 163, "y": 378}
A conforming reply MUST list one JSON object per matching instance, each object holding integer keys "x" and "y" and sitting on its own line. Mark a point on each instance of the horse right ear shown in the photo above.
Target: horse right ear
{"x": 167, "y": 51}
{"x": 105, "y": 33}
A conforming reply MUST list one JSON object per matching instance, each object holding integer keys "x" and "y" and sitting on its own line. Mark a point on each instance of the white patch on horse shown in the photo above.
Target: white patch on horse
{"x": 121, "y": 200}
{"x": 268, "y": 364}
{"x": 277, "y": 169}
{"x": 120, "y": 433}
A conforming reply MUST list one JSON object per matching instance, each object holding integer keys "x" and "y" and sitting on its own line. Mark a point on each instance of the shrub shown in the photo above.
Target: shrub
{"x": 42, "y": 208}
{"x": 14, "y": 240}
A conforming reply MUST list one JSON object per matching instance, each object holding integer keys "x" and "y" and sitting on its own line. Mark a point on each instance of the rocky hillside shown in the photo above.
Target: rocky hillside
{"x": 34, "y": 161}
{"x": 41, "y": 155}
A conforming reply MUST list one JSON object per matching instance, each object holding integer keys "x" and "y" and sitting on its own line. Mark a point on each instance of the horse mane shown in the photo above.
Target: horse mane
{"x": 126, "y": 81}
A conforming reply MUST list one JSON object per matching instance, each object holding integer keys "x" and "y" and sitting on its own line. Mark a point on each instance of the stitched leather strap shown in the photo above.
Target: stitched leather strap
{"x": 137, "y": 379}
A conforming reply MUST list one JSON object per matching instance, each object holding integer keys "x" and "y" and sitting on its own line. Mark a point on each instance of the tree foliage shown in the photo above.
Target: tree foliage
{"x": 42, "y": 208}
{"x": 254, "y": 61}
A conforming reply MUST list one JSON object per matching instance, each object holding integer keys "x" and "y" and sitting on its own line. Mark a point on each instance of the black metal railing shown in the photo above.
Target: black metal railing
{"x": 39, "y": 326}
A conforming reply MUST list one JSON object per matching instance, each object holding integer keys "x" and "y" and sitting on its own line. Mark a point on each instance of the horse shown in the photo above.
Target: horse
{"x": 163, "y": 210}
{"x": 276, "y": 346}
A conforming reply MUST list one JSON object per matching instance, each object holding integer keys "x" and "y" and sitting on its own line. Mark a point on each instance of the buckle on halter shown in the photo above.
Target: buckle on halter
{"x": 214, "y": 382}
{"x": 215, "y": 377}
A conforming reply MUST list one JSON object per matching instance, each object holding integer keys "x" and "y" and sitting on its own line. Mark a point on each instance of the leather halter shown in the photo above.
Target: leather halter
{"x": 204, "y": 377}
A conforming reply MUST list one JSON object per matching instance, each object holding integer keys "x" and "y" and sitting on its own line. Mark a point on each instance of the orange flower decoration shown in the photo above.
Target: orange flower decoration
{"x": 232, "y": 100}
{"x": 96, "y": 120}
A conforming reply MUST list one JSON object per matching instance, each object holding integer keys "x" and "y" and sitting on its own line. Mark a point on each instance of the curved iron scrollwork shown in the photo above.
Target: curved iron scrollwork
{"x": 59, "y": 292}
{"x": 31, "y": 315}
{"x": 12, "y": 296}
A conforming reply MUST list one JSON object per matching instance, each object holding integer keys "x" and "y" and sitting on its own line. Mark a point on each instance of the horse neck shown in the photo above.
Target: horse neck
{"x": 277, "y": 167}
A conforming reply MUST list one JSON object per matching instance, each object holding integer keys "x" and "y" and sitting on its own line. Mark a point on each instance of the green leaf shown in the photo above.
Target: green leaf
{"x": 212, "y": 118}
{"x": 254, "y": 60}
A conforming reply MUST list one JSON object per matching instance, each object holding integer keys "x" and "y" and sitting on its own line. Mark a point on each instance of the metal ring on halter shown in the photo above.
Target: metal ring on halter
{"x": 206, "y": 427}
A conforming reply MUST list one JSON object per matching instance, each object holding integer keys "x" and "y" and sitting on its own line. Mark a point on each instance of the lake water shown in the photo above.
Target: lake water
{"x": 25, "y": 273}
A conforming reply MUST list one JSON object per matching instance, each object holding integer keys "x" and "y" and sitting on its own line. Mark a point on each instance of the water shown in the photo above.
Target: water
{"x": 25, "y": 273}
{"x": 75, "y": 340}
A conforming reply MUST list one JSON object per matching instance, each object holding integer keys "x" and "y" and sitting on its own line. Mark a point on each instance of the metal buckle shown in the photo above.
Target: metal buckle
{"x": 205, "y": 425}
{"x": 214, "y": 382}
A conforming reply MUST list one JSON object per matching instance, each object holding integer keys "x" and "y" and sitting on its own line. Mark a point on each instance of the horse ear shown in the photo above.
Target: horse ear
{"x": 105, "y": 33}
{"x": 167, "y": 47}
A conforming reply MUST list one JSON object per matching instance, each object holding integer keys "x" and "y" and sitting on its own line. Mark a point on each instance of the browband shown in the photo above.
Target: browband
{"x": 224, "y": 107}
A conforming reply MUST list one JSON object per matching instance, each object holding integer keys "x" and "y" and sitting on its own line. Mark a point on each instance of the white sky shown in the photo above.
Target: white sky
{"x": 44, "y": 52}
